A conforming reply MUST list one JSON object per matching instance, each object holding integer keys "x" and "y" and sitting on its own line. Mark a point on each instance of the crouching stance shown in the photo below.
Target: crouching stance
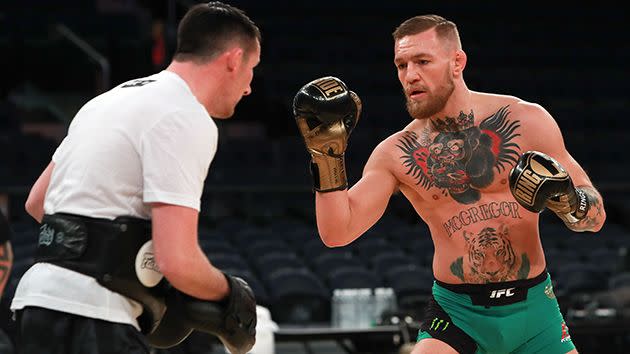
{"x": 478, "y": 168}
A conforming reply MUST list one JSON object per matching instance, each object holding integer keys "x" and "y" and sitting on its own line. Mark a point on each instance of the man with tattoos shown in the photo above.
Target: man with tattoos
{"x": 455, "y": 162}
{"x": 6, "y": 264}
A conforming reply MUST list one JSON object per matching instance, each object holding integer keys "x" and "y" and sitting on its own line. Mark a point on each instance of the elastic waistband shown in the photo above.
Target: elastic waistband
{"x": 496, "y": 294}
{"x": 472, "y": 289}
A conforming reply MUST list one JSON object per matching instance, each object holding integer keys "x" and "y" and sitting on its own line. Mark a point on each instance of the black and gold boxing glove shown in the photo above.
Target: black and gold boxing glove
{"x": 326, "y": 112}
{"x": 232, "y": 320}
{"x": 538, "y": 181}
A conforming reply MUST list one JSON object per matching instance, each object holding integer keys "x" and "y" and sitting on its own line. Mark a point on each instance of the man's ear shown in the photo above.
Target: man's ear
{"x": 460, "y": 62}
{"x": 234, "y": 58}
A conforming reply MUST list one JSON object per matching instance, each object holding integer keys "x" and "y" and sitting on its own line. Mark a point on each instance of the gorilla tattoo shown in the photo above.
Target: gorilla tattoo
{"x": 462, "y": 157}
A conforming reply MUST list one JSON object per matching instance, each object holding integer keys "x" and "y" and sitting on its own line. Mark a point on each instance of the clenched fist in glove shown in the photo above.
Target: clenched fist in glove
{"x": 538, "y": 182}
{"x": 326, "y": 112}
{"x": 233, "y": 320}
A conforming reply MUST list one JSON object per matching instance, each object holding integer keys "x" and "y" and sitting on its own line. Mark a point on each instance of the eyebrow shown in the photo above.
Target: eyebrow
{"x": 413, "y": 57}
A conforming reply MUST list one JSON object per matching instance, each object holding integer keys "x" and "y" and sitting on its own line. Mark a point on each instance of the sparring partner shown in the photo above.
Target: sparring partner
{"x": 118, "y": 265}
{"x": 456, "y": 162}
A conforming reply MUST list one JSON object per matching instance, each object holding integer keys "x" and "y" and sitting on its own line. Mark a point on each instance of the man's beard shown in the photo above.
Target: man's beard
{"x": 433, "y": 103}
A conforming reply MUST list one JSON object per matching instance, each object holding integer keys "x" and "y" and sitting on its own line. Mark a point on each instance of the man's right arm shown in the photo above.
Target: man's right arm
{"x": 326, "y": 112}
{"x": 35, "y": 202}
{"x": 203, "y": 298}
{"x": 343, "y": 216}
{"x": 179, "y": 256}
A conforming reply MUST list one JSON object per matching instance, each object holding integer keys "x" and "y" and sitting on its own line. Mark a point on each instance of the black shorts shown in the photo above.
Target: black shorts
{"x": 44, "y": 331}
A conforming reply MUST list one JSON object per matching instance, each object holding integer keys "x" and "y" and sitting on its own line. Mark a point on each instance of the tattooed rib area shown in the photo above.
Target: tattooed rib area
{"x": 490, "y": 258}
{"x": 462, "y": 157}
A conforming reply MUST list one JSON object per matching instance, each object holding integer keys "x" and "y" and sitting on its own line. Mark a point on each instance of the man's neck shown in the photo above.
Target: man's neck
{"x": 198, "y": 78}
{"x": 457, "y": 114}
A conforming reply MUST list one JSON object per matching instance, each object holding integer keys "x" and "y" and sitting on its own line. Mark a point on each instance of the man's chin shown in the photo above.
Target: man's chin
{"x": 416, "y": 113}
{"x": 222, "y": 115}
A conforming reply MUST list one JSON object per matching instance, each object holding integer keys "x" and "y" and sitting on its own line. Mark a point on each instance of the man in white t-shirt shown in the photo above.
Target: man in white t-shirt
{"x": 140, "y": 151}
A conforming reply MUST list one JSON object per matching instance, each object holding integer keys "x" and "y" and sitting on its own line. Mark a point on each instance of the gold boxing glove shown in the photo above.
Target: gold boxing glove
{"x": 538, "y": 181}
{"x": 326, "y": 112}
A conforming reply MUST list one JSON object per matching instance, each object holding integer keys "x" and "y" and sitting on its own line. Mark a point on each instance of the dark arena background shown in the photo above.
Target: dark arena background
{"x": 257, "y": 217}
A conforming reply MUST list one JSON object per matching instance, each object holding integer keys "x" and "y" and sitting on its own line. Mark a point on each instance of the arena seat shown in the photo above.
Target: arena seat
{"x": 298, "y": 297}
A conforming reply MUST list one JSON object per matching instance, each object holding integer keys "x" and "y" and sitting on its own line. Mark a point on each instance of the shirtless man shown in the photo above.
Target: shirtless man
{"x": 464, "y": 163}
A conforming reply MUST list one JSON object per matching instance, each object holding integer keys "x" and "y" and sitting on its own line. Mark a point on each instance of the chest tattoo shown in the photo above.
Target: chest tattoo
{"x": 461, "y": 158}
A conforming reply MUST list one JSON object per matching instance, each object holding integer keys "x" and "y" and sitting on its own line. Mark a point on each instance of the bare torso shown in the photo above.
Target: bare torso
{"x": 456, "y": 177}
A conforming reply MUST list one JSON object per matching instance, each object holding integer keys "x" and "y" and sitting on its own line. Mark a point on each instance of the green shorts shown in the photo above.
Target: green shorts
{"x": 520, "y": 316}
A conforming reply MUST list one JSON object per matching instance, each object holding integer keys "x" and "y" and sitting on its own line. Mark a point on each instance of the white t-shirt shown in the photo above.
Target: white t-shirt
{"x": 147, "y": 140}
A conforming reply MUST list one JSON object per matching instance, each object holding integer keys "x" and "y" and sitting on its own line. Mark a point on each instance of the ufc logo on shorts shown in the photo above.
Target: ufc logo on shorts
{"x": 495, "y": 294}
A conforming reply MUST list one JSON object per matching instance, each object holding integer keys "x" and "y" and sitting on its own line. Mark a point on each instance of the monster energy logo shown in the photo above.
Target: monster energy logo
{"x": 435, "y": 325}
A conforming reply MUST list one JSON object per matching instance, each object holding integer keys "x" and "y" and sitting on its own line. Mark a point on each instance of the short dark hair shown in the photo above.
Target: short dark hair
{"x": 206, "y": 30}
{"x": 444, "y": 28}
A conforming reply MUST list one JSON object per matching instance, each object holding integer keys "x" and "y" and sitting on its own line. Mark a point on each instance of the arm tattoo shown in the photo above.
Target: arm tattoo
{"x": 595, "y": 216}
{"x": 6, "y": 261}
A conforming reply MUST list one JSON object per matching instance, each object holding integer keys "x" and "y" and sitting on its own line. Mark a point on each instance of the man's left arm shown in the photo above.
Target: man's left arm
{"x": 549, "y": 140}
{"x": 596, "y": 215}
{"x": 6, "y": 252}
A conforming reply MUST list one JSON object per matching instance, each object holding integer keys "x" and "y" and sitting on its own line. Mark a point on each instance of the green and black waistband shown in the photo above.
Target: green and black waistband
{"x": 496, "y": 294}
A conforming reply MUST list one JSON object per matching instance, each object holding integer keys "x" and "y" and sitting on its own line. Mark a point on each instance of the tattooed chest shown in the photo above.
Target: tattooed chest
{"x": 459, "y": 158}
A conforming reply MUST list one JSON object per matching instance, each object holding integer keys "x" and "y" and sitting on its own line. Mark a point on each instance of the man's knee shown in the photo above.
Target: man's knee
{"x": 432, "y": 346}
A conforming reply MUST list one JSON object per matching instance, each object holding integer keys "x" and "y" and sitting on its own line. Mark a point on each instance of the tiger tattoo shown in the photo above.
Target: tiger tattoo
{"x": 490, "y": 258}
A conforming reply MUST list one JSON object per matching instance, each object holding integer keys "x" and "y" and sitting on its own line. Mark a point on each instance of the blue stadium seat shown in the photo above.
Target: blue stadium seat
{"x": 230, "y": 261}
{"x": 327, "y": 262}
{"x": 313, "y": 248}
{"x": 619, "y": 280}
{"x": 268, "y": 263}
{"x": 353, "y": 277}
{"x": 368, "y": 247}
{"x": 577, "y": 277}
{"x": 298, "y": 297}
{"x": 213, "y": 247}
{"x": 263, "y": 247}
{"x": 421, "y": 249}
{"x": 247, "y": 236}
{"x": 412, "y": 285}
{"x": 384, "y": 262}
{"x": 556, "y": 258}
{"x": 606, "y": 258}
{"x": 299, "y": 236}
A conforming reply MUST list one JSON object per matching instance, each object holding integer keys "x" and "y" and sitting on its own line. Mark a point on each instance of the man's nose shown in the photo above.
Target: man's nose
{"x": 412, "y": 75}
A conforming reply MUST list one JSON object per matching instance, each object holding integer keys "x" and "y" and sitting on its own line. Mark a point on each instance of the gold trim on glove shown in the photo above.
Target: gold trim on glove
{"x": 329, "y": 172}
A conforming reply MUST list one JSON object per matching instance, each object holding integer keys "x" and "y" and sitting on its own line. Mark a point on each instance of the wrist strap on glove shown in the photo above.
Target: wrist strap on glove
{"x": 582, "y": 206}
{"x": 329, "y": 172}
